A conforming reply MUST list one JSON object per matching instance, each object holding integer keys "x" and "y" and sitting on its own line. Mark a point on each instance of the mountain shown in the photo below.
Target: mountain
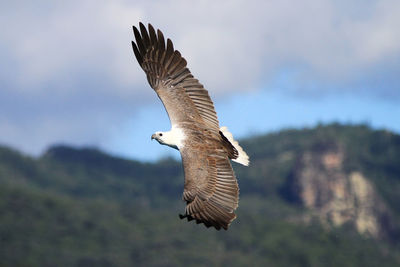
{"x": 326, "y": 196}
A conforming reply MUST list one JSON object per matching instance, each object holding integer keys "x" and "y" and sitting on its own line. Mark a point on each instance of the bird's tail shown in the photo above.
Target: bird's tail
{"x": 241, "y": 156}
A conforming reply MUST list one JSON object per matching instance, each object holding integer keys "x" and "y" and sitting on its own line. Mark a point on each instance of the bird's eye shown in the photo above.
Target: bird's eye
{"x": 160, "y": 134}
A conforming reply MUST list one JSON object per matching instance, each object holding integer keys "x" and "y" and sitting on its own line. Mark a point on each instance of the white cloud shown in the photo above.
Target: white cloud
{"x": 230, "y": 45}
{"x": 72, "y": 40}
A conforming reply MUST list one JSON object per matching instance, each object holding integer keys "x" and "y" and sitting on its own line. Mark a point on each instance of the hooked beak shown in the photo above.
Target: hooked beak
{"x": 153, "y": 136}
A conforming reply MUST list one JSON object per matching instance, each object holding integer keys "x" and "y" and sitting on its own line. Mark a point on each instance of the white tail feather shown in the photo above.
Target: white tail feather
{"x": 242, "y": 158}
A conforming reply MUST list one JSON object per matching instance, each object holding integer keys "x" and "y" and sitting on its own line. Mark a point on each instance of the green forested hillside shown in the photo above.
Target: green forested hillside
{"x": 82, "y": 207}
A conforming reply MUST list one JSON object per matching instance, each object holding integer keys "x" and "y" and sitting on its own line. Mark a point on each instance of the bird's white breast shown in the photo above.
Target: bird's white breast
{"x": 176, "y": 137}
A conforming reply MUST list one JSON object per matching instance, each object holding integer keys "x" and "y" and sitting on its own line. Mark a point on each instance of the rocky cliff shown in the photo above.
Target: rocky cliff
{"x": 335, "y": 197}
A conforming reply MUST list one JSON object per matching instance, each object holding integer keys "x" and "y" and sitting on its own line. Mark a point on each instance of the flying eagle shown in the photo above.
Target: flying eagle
{"x": 211, "y": 191}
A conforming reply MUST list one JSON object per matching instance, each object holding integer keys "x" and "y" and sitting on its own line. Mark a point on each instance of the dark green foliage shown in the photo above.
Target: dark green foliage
{"x": 81, "y": 207}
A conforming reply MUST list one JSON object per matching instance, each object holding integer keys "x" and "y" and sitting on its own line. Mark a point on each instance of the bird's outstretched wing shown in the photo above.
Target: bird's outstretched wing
{"x": 211, "y": 190}
{"x": 184, "y": 98}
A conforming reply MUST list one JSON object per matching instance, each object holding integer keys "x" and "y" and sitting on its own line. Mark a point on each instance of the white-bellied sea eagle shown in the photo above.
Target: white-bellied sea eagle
{"x": 211, "y": 191}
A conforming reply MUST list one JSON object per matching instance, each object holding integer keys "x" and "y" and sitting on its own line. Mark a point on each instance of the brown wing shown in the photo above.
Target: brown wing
{"x": 211, "y": 190}
{"x": 184, "y": 98}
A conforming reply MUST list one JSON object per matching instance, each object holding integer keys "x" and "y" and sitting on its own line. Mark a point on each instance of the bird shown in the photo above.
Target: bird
{"x": 211, "y": 190}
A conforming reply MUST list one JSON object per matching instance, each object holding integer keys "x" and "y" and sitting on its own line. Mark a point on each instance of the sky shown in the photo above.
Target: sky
{"x": 68, "y": 74}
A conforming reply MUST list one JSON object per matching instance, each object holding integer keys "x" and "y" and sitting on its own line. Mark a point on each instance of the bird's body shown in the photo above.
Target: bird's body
{"x": 211, "y": 191}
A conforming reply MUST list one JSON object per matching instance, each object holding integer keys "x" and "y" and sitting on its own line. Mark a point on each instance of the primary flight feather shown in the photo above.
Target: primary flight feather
{"x": 211, "y": 191}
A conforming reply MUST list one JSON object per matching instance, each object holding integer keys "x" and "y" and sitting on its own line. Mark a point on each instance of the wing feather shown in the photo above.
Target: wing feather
{"x": 211, "y": 190}
{"x": 139, "y": 43}
{"x": 184, "y": 98}
{"x": 145, "y": 35}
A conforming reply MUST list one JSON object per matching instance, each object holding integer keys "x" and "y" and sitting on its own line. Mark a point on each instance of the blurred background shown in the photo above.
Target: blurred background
{"x": 311, "y": 88}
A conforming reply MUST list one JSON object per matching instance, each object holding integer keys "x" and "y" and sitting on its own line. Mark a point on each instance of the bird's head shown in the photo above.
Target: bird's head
{"x": 159, "y": 136}
{"x": 165, "y": 138}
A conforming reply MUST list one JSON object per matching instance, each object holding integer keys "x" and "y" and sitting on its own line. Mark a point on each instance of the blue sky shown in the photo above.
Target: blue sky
{"x": 68, "y": 75}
